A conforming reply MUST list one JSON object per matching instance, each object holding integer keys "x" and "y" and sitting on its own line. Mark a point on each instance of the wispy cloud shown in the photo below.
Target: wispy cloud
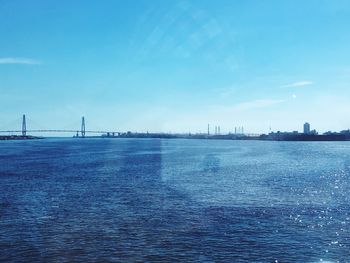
{"x": 247, "y": 105}
{"x": 298, "y": 84}
{"x": 228, "y": 92}
{"x": 23, "y": 61}
{"x": 255, "y": 104}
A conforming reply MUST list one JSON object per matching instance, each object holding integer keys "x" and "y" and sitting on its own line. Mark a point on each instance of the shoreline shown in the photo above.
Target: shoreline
{"x": 305, "y": 138}
{"x": 18, "y": 137}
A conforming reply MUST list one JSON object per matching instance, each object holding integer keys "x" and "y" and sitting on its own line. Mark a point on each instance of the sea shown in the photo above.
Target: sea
{"x": 174, "y": 200}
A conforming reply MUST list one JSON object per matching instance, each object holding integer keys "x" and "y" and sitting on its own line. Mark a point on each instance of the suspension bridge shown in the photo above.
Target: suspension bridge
{"x": 78, "y": 133}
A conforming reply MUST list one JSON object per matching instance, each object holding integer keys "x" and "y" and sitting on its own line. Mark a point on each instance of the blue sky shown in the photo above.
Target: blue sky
{"x": 161, "y": 65}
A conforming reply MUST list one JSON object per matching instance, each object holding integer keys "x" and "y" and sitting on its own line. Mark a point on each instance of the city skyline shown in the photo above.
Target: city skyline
{"x": 211, "y": 131}
{"x": 176, "y": 66}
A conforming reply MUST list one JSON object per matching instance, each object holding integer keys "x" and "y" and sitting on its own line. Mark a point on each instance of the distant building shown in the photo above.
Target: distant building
{"x": 313, "y": 132}
{"x": 307, "y": 128}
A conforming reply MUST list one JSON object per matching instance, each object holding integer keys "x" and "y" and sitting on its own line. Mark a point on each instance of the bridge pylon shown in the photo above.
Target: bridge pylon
{"x": 83, "y": 127}
{"x": 24, "y": 125}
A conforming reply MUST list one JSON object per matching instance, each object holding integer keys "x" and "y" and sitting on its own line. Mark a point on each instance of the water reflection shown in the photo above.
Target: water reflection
{"x": 211, "y": 164}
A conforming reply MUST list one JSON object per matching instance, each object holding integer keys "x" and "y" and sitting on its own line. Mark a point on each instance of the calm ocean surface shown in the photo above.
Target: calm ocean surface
{"x": 152, "y": 200}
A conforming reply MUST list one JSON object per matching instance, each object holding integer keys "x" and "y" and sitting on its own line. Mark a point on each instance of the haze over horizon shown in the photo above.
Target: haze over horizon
{"x": 176, "y": 65}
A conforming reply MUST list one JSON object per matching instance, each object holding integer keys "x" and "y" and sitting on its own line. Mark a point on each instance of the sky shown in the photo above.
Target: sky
{"x": 175, "y": 66}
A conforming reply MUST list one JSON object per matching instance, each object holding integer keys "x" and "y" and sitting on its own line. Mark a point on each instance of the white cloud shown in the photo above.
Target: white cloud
{"x": 228, "y": 92}
{"x": 254, "y": 115}
{"x": 23, "y": 61}
{"x": 298, "y": 84}
{"x": 255, "y": 104}
{"x": 241, "y": 107}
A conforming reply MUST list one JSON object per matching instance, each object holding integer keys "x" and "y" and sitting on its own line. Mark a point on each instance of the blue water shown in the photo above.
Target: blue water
{"x": 152, "y": 200}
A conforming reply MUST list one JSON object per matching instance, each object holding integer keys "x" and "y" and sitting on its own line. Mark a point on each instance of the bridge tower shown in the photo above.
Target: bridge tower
{"x": 83, "y": 127}
{"x": 24, "y": 125}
